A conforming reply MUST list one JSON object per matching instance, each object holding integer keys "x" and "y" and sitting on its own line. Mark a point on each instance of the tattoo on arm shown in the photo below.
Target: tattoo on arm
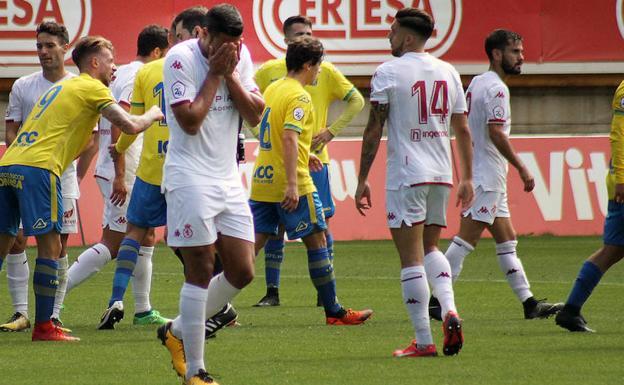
{"x": 372, "y": 137}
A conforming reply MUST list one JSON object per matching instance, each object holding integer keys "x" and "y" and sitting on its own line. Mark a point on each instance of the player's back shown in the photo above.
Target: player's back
{"x": 488, "y": 102}
{"x": 422, "y": 92}
{"x": 60, "y": 124}
{"x": 149, "y": 91}
{"x": 287, "y": 106}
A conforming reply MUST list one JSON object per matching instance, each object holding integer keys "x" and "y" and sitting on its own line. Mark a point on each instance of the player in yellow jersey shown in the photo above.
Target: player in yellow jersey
{"x": 612, "y": 249}
{"x": 330, "y": 85}
{"x": 282, "y": 190}
{"x": 53, "y": 135}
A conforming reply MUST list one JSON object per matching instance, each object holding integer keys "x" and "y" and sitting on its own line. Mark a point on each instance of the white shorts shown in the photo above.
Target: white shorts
{"x": 414, "y": 205}
{"x": 196, "y": 214}
{"x": 487, "y": 206}
{"x": 114, "y": 216}
{"x": 70, "y": 216}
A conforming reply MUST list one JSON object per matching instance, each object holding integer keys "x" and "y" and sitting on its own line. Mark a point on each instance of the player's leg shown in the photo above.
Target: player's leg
{"x": 18, "y": 273}
{"x": 273, "y": 258}
{"x": 323, "y": 187}
{"x": 93, "y": 259}
{"x": 308, "y": 223}
{"x": 593, "y": 269}
{"x": 505, "y": 236}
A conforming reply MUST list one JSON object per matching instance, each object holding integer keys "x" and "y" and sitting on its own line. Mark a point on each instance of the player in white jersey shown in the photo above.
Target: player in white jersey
{"x": 490, "y": 121}
{"x": 421, "y": 97}
{"x": 115, "y": 186}
{"x": 52, "y": 42}
{"x": 209, "y": 88}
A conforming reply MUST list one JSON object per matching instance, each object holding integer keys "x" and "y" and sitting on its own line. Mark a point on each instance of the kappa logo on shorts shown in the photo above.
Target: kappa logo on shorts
{"x": 301, "y": 226}
{"x": 188, "y": 231}
{"x": 483, "y": 210}
{"x": 40, "y": 224}
{"x": 391, "y": 216}
{"x": 121, "y": 221}
{"x": 176, "y": 233}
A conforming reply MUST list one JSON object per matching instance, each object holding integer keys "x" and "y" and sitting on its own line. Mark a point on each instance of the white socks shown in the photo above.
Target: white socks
{"x": 87, "y": 264}
{"x": 62, "y": 286}
{"x": 458, "y": 250}
{"x": 142, "y": 280}
{"x": 17, "y": 278}
{"x": 416, "y": 298}
{"x": 220, "y": 292}
{"x": 193, "y": 316}
{"x": 511, "y": 266}
{"x": 439, "y": 277}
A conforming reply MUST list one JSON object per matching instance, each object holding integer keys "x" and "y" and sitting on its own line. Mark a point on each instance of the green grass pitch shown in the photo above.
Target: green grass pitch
{"x": 291, "y": 344}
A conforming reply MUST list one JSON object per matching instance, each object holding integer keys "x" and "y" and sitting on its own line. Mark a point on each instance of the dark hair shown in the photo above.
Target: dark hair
{"x": 88, "y": 46}
{"x": 54, "y": 29}
{"x": 499, "y": 39}
{"x": 223, "y": 18}
{"x": 416, "y": 20}
{"x": 151, "y": 37}
{"x": 298, "y": 19}
{"x": 190, "y": 18}
{"x": 303, "y": 49}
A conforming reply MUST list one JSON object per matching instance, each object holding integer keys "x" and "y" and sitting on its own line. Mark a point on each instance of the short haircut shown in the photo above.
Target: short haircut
{"x": 54, "y": 29}
{"x": 190, "y": 18}
{"x": 225, "y": 19}
{"x": 88, "y": 46}
{"x": 151, "y": 37}
{"x": 416, "y": 20}
{"x": 303, "y": 49}
{"x": 499, "y": 39}
{"x": 298, "y": 19}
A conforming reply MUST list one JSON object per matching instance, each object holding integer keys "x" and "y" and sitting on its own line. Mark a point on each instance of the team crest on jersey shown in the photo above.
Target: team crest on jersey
{"x": 188, "y": 231}
{"x": 178, "y": 90}
{"x": 499, "y": 112}
{"x": 622, "y": 103}
{"x": 304, "y": 99}
{"x": 298, "y": 113}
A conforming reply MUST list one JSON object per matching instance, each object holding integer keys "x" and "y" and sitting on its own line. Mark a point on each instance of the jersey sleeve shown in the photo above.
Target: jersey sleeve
{"x": 100, "y": 97}
{"x": 137, "y": 101}
{"x": 341, "y": 88}
{"x": 459, "y": 105}
{"x": 14, "y": 110}
{"x": 245, "y": 67}
{"x": 262, "y": 78}
{"x": 178, "y": 81}
{"x": 381, "y": 86}
{"x": 298, "y": 113}
{"x": 126, "y": 93}
{"x": 497, "y": 105}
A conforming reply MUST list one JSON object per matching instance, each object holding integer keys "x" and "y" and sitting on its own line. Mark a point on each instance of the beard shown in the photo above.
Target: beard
{"x": 398, "y": 51}
{"x": 510, "y": 69}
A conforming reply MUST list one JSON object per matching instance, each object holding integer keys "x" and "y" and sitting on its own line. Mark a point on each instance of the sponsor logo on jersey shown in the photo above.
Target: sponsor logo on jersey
{"x": 176, "y": 65}
{"x": 27, "y": 138}
{"x": 188, "y": 231}
{"x": 19, "y": 20}
{"x": 40, "y": 224}
{"x": 416, "y": 134}
{"x": 500, "y": 94}
{"x": 264, "y": 174}
{"x": 354, "y": 30}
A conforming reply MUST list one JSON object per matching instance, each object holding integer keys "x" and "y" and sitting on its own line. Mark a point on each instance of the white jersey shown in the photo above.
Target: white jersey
{"x": 209, "y": 157}
{"x": 422, "y": 93}
{"x": 121, "y": 88}
{"x": 25, "y": 93}
{"x": 488, "y": 101}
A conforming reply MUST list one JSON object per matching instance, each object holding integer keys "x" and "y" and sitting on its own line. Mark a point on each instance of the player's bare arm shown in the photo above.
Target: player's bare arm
{"x": 291, "y": 196}
{"x": 370, "y": 145}
{"x": 503, "y": 145}
{"x": 131, "y": 124}
{"x": 191, "y": 115}
{"x": 11, "y": 131}
{"x": 465, "y": 190}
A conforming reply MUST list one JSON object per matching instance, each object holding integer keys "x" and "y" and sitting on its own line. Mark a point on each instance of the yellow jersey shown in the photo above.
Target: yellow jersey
{"x": 330, "y": 85}
{"x": 288, "y": 106}
{"x": 148, "y": 91}
{"x": 59, "y": 125}
{"x": 616, "y": 137}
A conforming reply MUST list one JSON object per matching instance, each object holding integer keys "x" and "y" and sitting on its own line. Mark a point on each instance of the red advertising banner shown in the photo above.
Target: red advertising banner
{"x": 570, "y": 196}
{"x": 556, "y": 32}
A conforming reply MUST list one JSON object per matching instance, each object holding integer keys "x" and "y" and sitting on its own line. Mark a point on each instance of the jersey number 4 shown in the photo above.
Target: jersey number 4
{"x": 439, "y": 101}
